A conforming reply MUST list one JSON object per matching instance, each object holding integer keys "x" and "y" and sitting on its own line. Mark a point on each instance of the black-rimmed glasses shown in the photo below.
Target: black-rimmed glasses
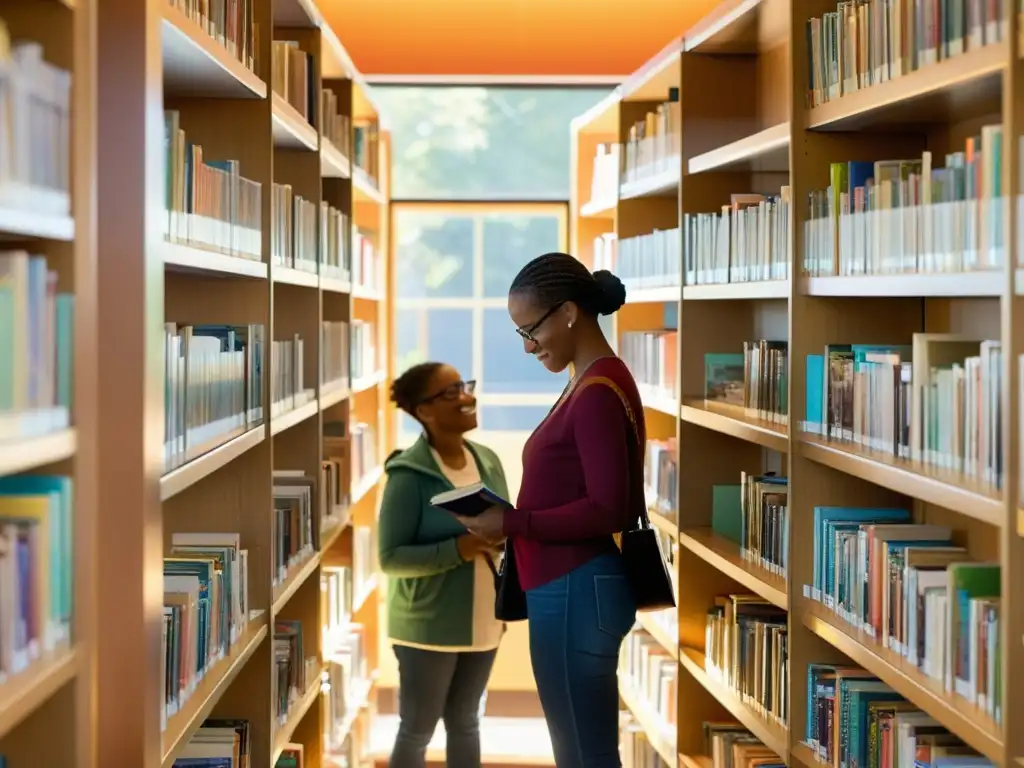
{"x": 452, "y": 391}
{"x": 528, "y": 331}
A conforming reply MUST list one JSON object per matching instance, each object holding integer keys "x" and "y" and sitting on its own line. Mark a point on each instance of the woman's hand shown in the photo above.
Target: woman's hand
{"x": 488, "y": 525}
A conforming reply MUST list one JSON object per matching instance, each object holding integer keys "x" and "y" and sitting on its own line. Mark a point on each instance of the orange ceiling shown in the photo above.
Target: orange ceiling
{"x": 507, "y": 37}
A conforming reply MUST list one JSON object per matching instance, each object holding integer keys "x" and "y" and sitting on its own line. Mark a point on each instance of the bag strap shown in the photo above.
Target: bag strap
{"x": 636, "y": 449}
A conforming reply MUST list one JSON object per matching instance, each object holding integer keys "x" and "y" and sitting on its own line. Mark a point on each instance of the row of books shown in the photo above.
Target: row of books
{"x": 35, "y": 138}
{"x": 661, "y": 476}
{"x": 335, "y": 472}
{"x": 604, "y": 181}
{"x": 363, "y": 341}
{"x": 288, "y": 389}
{"x": 295, "y": 670}
{"x": 363, "y": 556}
{"x": 654, "y": 144}
{"x": 365, "y": 143}
{"x": 36, "y": 348}
{"x": 346, "y": 682}
{"x": 335, "y": 243}
{"x": 334, "y": 124}
{"x": 748, "y": 241}
{"x": 206, "y": 607}
{"x": 230, "y": 22}
{"x": 730, "y": 745}
{"x": 649, "y": 261}
{"x": 604, "y": 249}
{"x": 367, "y": 262}
{"x": 755, "y": 380}
{"x": 746, "y": 642}
{"x": 337, "y": 593}
{"x": 36, "y": 568}
{"x": 754, "y": 515}
{"x": 292, "y": 756}
{"x": 213, "y": 385}
{"x": 916, "y": 593}
{"x": 334, "y": 346}
{"x": 907, "y": 216}
{"x": 865, "y": 43}
{"x": 651, "y": 357}
{"x": 635, "y": 747}
{"x": 217, "y": 743}
{"x": 293, "y": 77}
{"x": 293, "y": 230}
{"x": 364, "y": 451}
{"x": 936, "y": 401}
{"x": 209, "y": 203}
{"x": 296, "y": 532}
{"x": 651, "y": 675}
{"x": 853, "y": 718}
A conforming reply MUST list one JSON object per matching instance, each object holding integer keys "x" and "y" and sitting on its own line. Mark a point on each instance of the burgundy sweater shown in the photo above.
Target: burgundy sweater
{"x": 576, "y": 479}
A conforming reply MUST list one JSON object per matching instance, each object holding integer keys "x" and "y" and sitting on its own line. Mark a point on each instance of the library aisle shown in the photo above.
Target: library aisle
{"x": 832, "y": 385}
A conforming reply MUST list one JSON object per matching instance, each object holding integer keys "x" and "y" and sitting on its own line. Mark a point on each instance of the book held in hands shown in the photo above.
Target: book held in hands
{"x": 469, "y": 501}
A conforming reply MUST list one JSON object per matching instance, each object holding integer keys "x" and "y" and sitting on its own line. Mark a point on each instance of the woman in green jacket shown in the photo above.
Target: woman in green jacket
{"x": 440, "y": 587}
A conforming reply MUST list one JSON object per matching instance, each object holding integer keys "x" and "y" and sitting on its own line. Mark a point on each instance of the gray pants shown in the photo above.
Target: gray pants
{"x": 435, "y": 685}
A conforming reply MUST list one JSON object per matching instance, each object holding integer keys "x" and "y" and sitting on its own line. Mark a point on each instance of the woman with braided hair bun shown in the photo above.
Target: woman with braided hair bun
{"x": 579, "y": 470}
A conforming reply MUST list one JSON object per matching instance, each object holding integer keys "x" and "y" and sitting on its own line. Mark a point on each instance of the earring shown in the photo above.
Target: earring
{"x": 570, "y": 323}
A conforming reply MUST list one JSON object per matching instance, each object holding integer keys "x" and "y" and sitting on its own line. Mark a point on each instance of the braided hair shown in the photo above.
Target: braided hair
{"x": 555, "y": 278}
{"x": 409, "y": 389}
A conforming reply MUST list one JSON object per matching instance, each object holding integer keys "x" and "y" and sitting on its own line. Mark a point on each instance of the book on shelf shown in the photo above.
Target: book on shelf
{"x": 336, "y": 586}
{"x": 605, "y": 246}
{"x": 36, "y": 568}
{"x": 907, "y": 216}
{"x": 288, "y": 389}
{"x": 755, "y": 380}
{"x": 36, "y": 348}
{"x": 36, "y": 114}
{"x": 230, "y": 22}
{"x": 347, "y": 675}
{"x": 936, "y": 401}
{"x": 650, "y": 675}
{"x": 754, "y": 515}
{"x": 294, "y": 671}
{"x": 367, "y": 262}
{"x": 746, "y": 648}
{"x": 210, "y": 205}
{"x": 364, "y": 557}
{"x": 748, "y": 241}
{"x": 334, "y": 472}
{"x": 604, "y": 181}
{"x": 206, "y": 608}
{"x": 635, "y": 747}
{"x": 469, "y": 500}
{"x": 651, "y": 357}
{"x": 911, "y": 590}
{"x": 730, "y": 745}
{"x": 293, "y": 78}
{"x": 335, "y": 126}
{"x": 218, "y": 743}
{"x": 650, "y": 261}
{"x": 661, "y": 476}
{"x": 292, "y": 756}
{"x": 294, "y": 230}
{"x": 855, "y": 719}
{"x": 363, "y": 341}
{"x": 653, "y": 144}
{"x": 864, "y": 44}
{"x": 335, "y": 253}
{"x": 214, "y": 387}
{"x": 334, "y": 346}
{"x": 363, "y": 450}
{"x": 296, "y": 529}
{"x": 365, "y": 147}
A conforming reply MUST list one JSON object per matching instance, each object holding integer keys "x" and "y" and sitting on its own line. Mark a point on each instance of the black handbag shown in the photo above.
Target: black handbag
{"x": 509, "y": 598}
{"x": 642, "y": 558}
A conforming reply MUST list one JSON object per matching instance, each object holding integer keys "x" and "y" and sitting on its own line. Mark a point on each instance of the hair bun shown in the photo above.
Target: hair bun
{"x": 613, "y": 292}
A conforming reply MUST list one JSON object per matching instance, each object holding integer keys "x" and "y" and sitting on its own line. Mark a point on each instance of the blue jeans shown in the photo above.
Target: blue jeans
{"x": 577, "y": 623}
{"x": 436, "y": 684}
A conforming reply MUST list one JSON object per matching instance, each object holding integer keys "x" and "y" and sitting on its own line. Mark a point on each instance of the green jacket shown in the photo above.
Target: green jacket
{"x": 430, "y": 586}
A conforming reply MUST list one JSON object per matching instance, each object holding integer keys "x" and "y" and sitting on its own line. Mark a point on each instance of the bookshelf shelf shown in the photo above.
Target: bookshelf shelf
{"x": 956, "y": 714}
{"x": 364, "y": 593}
{"x": 187, "y": 475}
{"x": 659, "y": 633}
{"x": 751, "y": 291}
{"x": 31, "y": 222}
{"x": 726, "y": 557}
{"x": 944, "y": 489}
{"x": 653, "y": 295}
{"x": 291, "y": 130}
{"x": 661, "y": 184}
{"x": 298, "y": 710}
{"x": 599, "y": 209}
{"x": 187, "y": 258}
{"x": 289, "y": 419}
{"x": 766, "y": 151}
{"x": 962, "y": 84}
{"x": 962, "y": 284}
{"x": 196, "y": 64}
{"x": 662, "y": 735}
{"x": 366, "y": 293}
{"x": 22, "y": 455}
{"x": 333, "y": 393}
{"x": 291, "y": 276}
{"x": 334, "y": 285}
{"x": 364, "y": 188}
{"x": 333, "y": 164}
{"x": 771, "y": 735}
{"x": 663, "y": 523}
{"x": 297, "y": 576}
{"x": 210, "y": 689}
{"x": 25, "y": 692}
{"x": 656, "y": 400}
{"x": 368, "y": 382}
{"x": 731, "y": 421}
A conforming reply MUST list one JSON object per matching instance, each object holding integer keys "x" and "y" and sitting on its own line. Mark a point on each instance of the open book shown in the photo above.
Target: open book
{"x": 468, "y": 501}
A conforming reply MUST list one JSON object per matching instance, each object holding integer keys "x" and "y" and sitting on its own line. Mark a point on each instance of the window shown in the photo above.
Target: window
{"x": 435, "y": 254}
{"x": 482, "y": 143}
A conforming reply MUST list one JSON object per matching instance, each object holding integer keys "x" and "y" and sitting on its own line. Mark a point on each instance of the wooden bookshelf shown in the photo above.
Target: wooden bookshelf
{"x": 745, "y": 124}
{"x": 114, "y": 239}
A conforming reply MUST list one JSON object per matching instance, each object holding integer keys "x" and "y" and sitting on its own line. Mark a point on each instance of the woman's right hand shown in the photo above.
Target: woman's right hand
{"x": 470, "y": 545}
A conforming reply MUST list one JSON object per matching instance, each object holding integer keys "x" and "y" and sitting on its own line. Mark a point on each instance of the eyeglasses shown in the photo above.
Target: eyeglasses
{"x": 528, "y": 331}
{"x": 452, "y": 391}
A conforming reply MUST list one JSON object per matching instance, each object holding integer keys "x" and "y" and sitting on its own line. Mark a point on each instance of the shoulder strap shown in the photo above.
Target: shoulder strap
{"x": 637, "y": 450}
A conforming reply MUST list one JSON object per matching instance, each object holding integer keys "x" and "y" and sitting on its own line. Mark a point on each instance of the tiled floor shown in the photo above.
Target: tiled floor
{"x": 504, "y": 740}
